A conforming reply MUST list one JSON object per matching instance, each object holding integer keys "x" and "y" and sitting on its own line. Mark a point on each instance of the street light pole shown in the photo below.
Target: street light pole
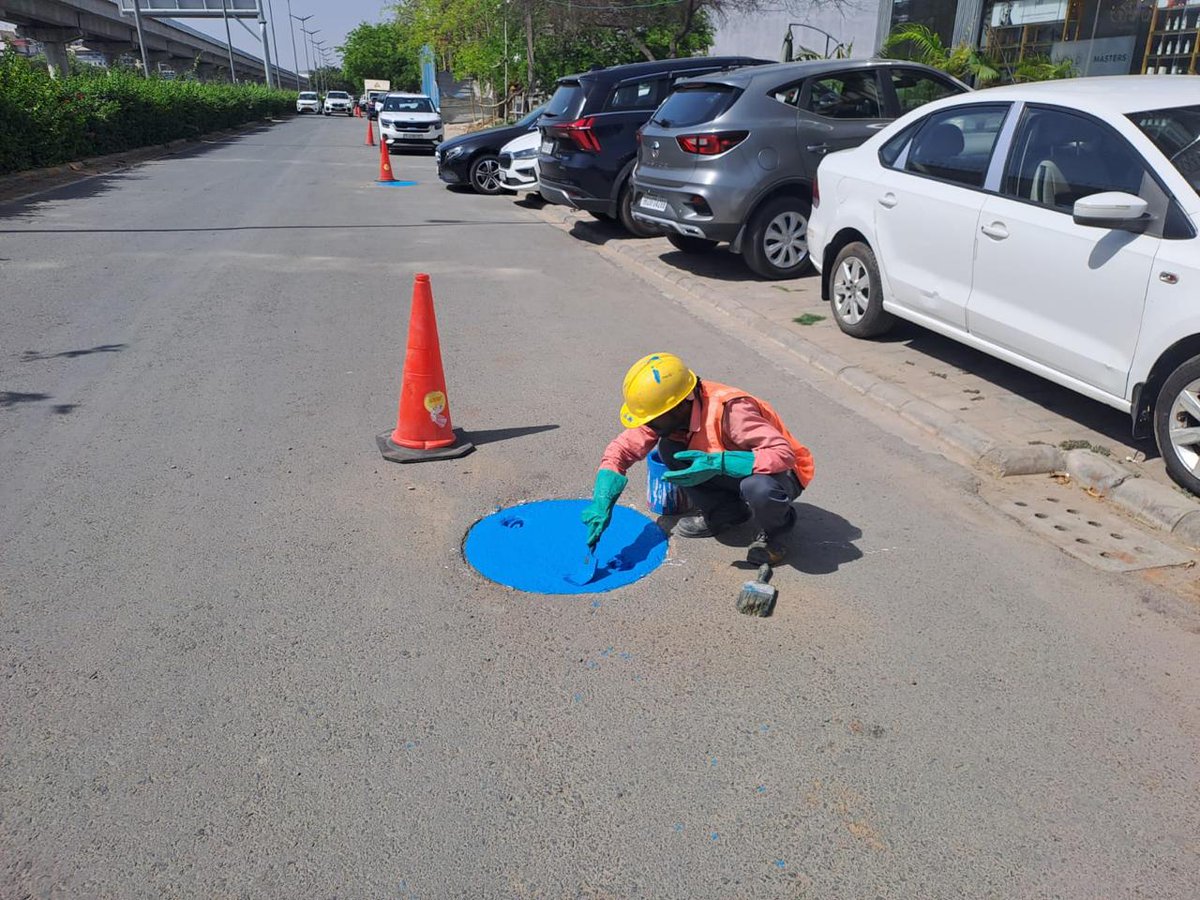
{"x": 295, "y": 59}
{"x": 228, "y": 41}
{"x": 302, "y": 20}
{"x": 275, "y": 43}
{"x": 310, "y": 43}
{"x": 137, "y": 18}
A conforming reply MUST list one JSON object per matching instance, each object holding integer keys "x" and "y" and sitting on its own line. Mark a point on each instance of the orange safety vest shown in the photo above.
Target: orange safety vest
{"x": 713, "y": 397}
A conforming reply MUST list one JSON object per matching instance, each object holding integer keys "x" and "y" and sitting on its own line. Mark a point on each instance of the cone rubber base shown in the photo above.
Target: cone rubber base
{"x": 396, "y": 453}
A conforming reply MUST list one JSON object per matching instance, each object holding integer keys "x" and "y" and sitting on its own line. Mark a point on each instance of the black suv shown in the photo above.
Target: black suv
{"x": 590, "y": 132}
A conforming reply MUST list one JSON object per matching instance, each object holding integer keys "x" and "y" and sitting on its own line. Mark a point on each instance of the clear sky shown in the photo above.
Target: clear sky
{"x": 334, "y": 18}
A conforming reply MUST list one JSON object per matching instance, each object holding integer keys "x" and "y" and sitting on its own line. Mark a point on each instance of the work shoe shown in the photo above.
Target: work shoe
{"x": 722, "y": 519}
{"x": 771, "y": 548}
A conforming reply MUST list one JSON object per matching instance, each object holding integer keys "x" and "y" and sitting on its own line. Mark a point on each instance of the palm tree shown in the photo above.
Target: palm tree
{"x": 925, "y": 46}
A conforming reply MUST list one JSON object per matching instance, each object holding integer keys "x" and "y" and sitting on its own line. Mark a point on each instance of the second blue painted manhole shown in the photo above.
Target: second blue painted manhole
{"x": 535, "y": 547}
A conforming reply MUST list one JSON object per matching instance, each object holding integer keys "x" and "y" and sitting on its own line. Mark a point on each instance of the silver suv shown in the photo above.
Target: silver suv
{"x": 732, "y": 156}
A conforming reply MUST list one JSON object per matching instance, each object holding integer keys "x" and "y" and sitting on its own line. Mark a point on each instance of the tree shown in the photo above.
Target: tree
{"x": 383, "y": 50}
{"x": 921, "y": 44}
{"x": 332, "y": 78}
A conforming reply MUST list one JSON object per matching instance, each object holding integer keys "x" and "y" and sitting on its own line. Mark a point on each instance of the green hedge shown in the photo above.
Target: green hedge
{"x": 46, "y": 122}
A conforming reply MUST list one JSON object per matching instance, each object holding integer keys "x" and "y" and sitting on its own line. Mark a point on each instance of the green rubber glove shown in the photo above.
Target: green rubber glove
{"x": 734, "y": 463}
{"x": 597, "y": 514}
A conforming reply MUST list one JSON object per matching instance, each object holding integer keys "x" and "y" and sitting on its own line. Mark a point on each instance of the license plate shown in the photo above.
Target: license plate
{"x": 547, "y": 147}
{"x": 410, "y": 136}
{"x": 654, "y": 204}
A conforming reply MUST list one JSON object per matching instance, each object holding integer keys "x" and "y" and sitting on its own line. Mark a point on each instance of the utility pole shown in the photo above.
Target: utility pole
{"x": 310, "y": 43}
{"x": 262, "y": 29}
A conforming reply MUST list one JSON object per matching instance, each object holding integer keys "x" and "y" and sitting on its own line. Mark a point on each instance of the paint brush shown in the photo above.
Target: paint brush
{"x": 758, "y": 597}
{"x": 587, "y": 569}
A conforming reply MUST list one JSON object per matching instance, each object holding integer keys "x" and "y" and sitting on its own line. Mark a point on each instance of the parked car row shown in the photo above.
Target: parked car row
{"x": 1051, "y": 225}
{"x": 334, "y": 102}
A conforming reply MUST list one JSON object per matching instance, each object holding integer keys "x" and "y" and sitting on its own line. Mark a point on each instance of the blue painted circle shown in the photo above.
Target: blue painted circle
{"x": 396, "y": 183}
{"x": 534, "y": 547}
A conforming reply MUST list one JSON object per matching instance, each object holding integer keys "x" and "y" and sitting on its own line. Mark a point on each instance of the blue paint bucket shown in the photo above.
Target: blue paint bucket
{"x": 663, "y": 497}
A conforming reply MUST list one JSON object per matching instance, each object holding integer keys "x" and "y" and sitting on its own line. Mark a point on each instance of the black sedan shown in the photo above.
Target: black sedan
{"x": 473, "y": 159}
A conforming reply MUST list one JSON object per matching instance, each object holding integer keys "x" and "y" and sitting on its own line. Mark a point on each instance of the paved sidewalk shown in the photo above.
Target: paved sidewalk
{"x": 1000, "y": 417}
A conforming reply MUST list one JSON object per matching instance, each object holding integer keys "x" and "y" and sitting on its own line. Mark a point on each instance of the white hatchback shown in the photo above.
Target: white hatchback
{"x": 1052, "y": 225}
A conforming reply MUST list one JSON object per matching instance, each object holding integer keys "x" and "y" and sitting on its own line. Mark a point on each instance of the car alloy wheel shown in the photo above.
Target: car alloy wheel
{"x": 775, "y": 245}
{"x": 785, "y": 240}
{"x": 855, "y": 293}
{"x": 1177, "y": 424}
{"x": 851, "y": 290}
{"x": 485, "y": 175}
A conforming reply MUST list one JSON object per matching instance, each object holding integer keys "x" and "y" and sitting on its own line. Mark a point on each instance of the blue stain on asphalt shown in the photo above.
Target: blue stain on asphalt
{"x": 534, "y": 546}
{"x": 396, "y": 183}
{"x": 714, "y": 837}
{"x": 678, "y": 827}
{"x": 761, "y": 789}
{"x": 713, "y": 762}
{"x": 780, "y": 864}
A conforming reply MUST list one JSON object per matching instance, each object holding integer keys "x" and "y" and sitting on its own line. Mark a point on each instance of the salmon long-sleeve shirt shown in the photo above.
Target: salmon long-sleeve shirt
{"x": 744, "y": 428}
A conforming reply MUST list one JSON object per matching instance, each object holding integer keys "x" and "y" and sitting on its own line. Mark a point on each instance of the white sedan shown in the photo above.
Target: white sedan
{"x": 1052, "y": 225}
{"x": 518, "y": 163}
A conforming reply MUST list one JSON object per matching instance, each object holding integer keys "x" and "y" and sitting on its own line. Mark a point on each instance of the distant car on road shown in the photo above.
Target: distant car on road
{"x": 519, "y": 165}
{"x": 308, "y": 101}
{"x": 410, "y": 120}
{"x": 474, "y": 159}
{"x": 731, "y": 156}
{"x": 1051, "y": 225}
{"x": 338, "y": 101}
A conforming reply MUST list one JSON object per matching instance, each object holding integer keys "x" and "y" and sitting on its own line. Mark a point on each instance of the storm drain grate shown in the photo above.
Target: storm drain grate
{"x": 1084, "y": 529}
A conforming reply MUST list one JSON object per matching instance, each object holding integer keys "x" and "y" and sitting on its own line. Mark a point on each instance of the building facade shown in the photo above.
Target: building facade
{"x": 1101, "y": 37}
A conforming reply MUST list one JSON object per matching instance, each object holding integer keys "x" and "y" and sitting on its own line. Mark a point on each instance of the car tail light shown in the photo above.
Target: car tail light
{"x": 816, "y": 191}
{"x": 579, "y": 133}
{"x": 711, "y": 144}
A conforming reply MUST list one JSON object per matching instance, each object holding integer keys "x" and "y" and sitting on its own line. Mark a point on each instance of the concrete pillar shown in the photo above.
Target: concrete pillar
{"x": 54, "y": 44}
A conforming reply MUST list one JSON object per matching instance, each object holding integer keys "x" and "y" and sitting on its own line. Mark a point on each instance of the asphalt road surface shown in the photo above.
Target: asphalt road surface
{"x": 242, "y": 655}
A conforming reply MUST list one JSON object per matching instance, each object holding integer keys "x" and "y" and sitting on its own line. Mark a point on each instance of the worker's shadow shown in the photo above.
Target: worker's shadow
{"x": 820, "y": 544}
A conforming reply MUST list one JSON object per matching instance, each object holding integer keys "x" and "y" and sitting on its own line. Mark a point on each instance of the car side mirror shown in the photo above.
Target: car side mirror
{"x": 1112, "y": 210}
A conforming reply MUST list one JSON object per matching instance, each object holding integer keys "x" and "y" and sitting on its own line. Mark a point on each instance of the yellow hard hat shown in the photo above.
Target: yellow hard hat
{"x": 655, "y": 384}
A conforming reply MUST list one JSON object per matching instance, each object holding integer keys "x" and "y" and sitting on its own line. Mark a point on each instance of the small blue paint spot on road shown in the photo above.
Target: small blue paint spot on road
{"x": 714, "y": 837}
{"x": 678, "y": 827}
{"x": 396, "y": 183}
{"x": 761, "y": 789}
{"x": 780, "y": 864}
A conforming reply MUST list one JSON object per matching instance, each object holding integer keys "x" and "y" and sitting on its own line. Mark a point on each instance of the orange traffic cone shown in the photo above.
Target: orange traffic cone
{"x": 423, "y": 430}
{"x": 370, "y": 141}
{"x": 385, "y": 162}
{"x": 357, "y": 111}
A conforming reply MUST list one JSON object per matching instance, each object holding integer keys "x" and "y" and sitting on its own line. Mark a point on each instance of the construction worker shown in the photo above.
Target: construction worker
{"x": 725, "y": 448}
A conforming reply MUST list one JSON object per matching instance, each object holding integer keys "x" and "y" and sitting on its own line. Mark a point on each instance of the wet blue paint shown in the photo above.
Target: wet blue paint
{"x": 396, "y": 183}
{"x": 662, "y": 497}
{"x": 534, "y": 546}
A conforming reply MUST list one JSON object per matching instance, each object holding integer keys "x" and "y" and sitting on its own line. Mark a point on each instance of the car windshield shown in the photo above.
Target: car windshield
{"x": 692, "y": 105}
{"x": 308, "y": 95}
{"x": 1176, "y": 132}
{"x": 408, "y": 104}
{"x": 338, "y": 95}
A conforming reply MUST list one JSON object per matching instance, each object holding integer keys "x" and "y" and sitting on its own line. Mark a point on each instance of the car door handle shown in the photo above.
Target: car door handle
{"x": 817, "y": 148}
{"x": 888, "y": 200}
{"x": 995, "y": 230}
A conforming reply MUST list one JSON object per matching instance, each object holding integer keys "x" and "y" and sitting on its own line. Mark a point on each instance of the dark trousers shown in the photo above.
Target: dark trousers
{"x": 769, "y": 497}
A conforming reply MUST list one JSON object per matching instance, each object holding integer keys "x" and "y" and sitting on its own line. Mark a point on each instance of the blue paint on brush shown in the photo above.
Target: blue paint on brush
{"x": 534, "y": 546}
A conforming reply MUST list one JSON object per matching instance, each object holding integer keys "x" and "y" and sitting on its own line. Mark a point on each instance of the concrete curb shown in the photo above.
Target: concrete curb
{"x": 51, "y": 177}
{"x": 1154, "y": 504}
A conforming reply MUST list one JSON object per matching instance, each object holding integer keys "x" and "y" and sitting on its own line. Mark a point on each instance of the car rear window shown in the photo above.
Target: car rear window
{"x": 693, "y": 104}
{"x": 308, "y": 95}
{"x": 338, "y": 95}
{"x": 1176, "y": 132}
{"x": 567, "y": 100}
{"x": 408, "y": 104}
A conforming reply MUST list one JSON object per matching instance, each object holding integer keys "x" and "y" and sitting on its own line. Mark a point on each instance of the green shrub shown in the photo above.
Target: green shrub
{"x": 46, "y": 121}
